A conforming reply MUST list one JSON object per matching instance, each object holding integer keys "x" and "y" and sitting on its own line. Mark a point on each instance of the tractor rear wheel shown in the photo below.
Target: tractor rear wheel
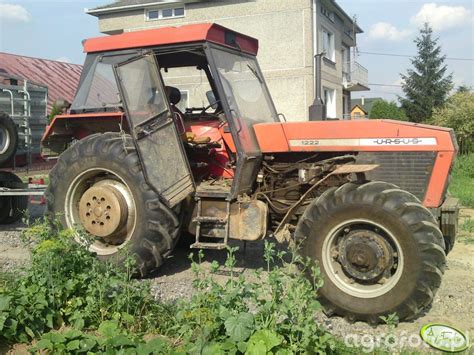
{"x": 380, "y": 251}
{"x": 98, "y": 186}
{"x": 12, "y": 208}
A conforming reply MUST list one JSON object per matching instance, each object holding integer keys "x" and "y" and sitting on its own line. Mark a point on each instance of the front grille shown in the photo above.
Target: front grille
{"x": 411, "y": 171}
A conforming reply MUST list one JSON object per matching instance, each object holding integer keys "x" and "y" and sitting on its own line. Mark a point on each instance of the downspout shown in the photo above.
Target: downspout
{"x": 315, "y": 37}
{"x": 317, "y": 111}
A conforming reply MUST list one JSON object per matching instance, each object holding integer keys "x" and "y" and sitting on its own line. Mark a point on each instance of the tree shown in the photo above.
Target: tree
{"x": 385, "y": 109}
{"x": 426, "y": 86}
{"x": 458, "y": 113}
{"x": 463, "y": 88}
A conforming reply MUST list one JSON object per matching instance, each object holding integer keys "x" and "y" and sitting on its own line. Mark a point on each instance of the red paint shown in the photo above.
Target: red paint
{"x": 219, "y": 157}
{"x": 168, "y": 36}
{"x": 76, "y": 125}
{"x": 276, "y": 137}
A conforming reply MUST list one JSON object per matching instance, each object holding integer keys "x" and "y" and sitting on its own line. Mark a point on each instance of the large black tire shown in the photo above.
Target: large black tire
{"x": 8, "y": 138}
{"x": 12, "y": 208}
{"x": 392, "y": 214}
{"x": 156, "y": 227}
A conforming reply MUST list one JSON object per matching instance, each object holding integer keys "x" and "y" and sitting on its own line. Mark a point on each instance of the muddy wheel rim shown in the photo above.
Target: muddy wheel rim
{"x": 362, "y": 258}
{"x": 100, "y": 205}
{"x": 4, "y": 140}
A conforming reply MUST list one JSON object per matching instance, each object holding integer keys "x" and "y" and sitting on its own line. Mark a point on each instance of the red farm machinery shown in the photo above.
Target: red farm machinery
{"x": 138, "y": 166}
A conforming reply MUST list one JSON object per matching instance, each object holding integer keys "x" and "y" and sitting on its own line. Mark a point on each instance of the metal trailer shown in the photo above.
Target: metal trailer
{"x": 25, "y": 104}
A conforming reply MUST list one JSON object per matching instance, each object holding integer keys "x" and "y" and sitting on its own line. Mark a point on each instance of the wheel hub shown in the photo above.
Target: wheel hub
{"x": 365, "y": 255}
{"x": 103, "y": 210}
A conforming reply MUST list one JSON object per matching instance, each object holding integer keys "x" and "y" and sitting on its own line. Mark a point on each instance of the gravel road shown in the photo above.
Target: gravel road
{"x": 453, "y": 304}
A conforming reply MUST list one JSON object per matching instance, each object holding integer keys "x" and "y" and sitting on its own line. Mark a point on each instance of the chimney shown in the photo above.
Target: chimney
{"x": 362, "y": 101}
{"x": 317, "y": 111}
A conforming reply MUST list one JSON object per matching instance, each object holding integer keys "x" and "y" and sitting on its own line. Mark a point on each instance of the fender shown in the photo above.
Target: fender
{"x": 64, "y": 129}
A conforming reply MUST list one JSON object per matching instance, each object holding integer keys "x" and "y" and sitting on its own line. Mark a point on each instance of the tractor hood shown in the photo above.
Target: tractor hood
{"x": 366, "y": 135}
{"x": 415, "y": 157}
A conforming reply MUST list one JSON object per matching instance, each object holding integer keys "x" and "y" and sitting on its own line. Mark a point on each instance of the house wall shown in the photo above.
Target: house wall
{"x": 285, "y": 33}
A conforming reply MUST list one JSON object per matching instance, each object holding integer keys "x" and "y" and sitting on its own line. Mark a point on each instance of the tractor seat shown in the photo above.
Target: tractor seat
{"x": 174, "y": 97}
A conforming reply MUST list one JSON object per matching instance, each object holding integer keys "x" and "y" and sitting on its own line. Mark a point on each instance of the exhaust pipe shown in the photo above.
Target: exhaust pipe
{"x": 317, "y": 111}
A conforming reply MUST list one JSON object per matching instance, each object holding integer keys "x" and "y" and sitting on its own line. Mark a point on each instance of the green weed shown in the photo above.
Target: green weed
{"x": 67, "y": 286}
{"x": 270, "y": 315}
{"x": 68, "y": 302}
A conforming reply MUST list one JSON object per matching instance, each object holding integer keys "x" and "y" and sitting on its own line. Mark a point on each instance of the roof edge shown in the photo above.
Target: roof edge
{"x": 103, "y": 10}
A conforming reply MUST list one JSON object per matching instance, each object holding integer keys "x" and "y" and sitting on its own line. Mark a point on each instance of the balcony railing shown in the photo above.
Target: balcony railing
{"x": 355, "y": 77}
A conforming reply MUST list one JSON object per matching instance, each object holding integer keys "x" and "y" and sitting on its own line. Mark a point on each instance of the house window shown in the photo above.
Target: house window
{"x": 160, "y": 14}
{"x": 328, "y": 45}
{"x": 357, "y": 115}
{"x": 330, "y": 101}
{"x": 327, "y": 13}
{"x": 184, "y": 102}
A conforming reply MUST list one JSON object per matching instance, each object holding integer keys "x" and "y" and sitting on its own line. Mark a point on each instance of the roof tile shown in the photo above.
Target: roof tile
{"x": 61, "y": 78}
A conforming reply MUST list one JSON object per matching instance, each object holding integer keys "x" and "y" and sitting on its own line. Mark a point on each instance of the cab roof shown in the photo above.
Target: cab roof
{"x": 196, "y": 33}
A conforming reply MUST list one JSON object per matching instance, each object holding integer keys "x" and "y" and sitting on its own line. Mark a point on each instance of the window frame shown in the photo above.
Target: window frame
{"x": 160, "y": 12}
{"x": 331, "y": 107}
{"x": 186, "y": 92}
{"x": 331, "y": 43}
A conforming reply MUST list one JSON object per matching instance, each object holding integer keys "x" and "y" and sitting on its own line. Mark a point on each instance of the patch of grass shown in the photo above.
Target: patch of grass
{"x": 468, "y": 226}
{"x": 466, "y": 234}
{"x": 462, "y": 182}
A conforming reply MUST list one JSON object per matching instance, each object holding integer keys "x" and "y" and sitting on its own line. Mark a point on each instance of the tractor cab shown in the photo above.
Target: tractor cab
{"x": 189, "y": 103}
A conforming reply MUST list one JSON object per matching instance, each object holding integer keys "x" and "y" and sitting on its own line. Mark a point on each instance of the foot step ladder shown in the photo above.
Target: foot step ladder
{"x": 209, "y": 220}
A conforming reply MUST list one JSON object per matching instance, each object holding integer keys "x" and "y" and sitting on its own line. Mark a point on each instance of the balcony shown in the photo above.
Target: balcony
{"x": 355, "y": 77}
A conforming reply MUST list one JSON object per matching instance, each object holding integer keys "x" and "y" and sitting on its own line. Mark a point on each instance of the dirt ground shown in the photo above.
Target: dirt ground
{"x": 453, "y": 304}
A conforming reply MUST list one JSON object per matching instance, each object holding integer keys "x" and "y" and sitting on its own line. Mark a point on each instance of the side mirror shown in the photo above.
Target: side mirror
{"x": 212, "y": 99}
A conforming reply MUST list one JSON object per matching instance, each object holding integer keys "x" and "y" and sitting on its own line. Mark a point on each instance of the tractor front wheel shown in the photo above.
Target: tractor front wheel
{"x": 98, "y": 187}
{"x": 380, "y": 251}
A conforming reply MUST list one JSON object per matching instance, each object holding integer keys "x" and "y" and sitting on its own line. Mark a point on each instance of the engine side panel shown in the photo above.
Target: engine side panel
{"x": 418, "y": 158}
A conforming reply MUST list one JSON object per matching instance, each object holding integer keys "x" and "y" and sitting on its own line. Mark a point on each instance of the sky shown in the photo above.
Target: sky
{"x": 55, "y": 29}
{"x": 391, "y": 26}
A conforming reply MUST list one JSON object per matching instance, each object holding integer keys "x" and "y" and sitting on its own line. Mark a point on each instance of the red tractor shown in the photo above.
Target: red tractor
{"x": 367, "y": 199}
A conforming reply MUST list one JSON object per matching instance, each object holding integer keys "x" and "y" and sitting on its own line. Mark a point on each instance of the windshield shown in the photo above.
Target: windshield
{"x": 244, "y": 87}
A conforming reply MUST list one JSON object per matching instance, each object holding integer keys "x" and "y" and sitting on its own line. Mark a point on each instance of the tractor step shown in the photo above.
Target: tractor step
{"x": 211, "y": 220}
{"x": 208, "y": 219}
{"x": 216, "y": 246}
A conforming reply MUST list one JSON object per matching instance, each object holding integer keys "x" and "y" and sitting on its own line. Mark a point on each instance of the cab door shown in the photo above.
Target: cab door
{"x": 153, "y": 130}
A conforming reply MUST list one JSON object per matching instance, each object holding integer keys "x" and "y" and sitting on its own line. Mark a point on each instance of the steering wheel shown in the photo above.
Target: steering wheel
{"x": 208, "y": 107}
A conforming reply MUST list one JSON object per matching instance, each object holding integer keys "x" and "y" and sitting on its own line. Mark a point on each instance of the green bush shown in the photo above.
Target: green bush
{"x": 388, "y": 110}
{"x": 462, "y": 182}
{"x": 458, "y": 113}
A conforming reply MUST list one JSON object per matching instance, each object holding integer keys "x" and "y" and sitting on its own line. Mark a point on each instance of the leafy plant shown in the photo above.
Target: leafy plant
{"x": 67, "y": 286}
{"x": 255, "y": 315}
{"x": 68, "y": 302}
{"x": 109, "y": 339}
